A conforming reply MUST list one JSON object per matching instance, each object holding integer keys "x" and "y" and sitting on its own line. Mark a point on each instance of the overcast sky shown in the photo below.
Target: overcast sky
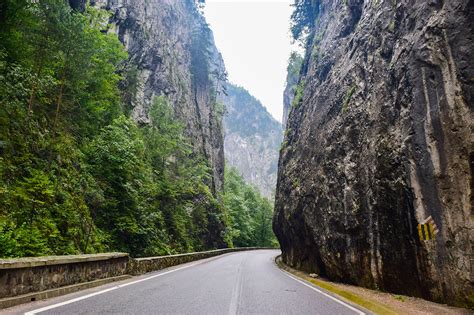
{"x": 254, "y": 39}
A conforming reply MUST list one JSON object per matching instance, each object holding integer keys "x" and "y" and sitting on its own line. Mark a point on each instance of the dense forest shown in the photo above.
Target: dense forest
{"x": 77, "y": 173}
{"x": 250, "y": 213}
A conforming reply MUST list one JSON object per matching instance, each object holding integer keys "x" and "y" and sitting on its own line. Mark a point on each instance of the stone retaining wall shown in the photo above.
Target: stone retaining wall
{"x": 140, "y": 266}
{"x": 27, "y": 275}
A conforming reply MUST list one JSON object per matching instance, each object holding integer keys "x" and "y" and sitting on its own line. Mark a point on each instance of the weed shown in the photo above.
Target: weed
{"x": 347, "y": 98}
{"x": 298, "y": 93}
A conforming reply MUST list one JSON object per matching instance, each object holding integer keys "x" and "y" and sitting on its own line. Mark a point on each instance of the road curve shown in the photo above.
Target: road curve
{"x": 237, "y": 283}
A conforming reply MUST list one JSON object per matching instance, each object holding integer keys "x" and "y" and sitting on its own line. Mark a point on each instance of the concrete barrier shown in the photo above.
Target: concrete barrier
{"x": 140, "y": 266}
{"x": 35, "y": 278}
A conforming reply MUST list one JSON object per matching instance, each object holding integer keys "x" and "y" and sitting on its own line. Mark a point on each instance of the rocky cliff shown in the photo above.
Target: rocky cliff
{"x": 292, "y": 75}
{"x": 172, "y": 52}
{"x": 252, "y": 139}
{"x": 380, "y": 140}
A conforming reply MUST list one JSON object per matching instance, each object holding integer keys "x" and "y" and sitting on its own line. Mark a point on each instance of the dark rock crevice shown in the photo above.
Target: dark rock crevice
{"x": 79, "y": 5}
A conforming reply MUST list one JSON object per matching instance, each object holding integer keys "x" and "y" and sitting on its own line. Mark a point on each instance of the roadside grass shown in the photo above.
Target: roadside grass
{"x": 370, "y": 305}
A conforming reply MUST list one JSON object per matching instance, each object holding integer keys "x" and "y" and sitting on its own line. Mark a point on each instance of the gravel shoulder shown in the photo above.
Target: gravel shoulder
{"x": 376, "y": 301}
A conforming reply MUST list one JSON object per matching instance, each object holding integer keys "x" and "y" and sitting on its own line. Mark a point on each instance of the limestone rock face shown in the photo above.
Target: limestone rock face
{"x": 252, "y": 139}
{"x": 381, "y": 140}
{"x": 172, "y": 52}
{"x": 288, "y": 96}
{"x": 292, "y": 77}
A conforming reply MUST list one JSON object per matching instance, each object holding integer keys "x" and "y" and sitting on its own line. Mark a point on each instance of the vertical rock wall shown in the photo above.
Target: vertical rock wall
{"x": 292, "y": 77}
{"x": 172, "y": 53}
{"x": 288, "y": 96}
{"x": 381, "y": 140}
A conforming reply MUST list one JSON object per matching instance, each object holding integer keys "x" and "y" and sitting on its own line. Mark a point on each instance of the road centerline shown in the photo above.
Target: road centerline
{"x": 237, "y": 290}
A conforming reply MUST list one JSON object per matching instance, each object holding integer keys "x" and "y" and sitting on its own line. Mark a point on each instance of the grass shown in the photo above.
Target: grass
{"x": 391, "y": 26}
{"x": 296, "y": 183}
{"x": 370, "y": 305}
{"x": 347, "y": 98}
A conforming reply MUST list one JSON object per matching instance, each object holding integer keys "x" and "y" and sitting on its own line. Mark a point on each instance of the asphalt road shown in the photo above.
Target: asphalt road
{"x": 238, "y": 283}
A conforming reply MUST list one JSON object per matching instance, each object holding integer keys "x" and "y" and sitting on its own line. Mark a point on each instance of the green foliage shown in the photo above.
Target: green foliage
{"x": 200, "y": 54}
{"x": 303, "y": 18}
{"x": 194, "y": 218}
{"x": 347, "y": 98}
{"x": 219, "y": 109}
{"x": 76, "y": 174}
{"x": 299, "y": 90}
{"x": 116, "y": 160}
{"x": 295, "y": 63}
{"x": 391, "y": 26}
{"x": 315, "y": 52}
{"x": 250, "y": 213}
{"x": 57, "y": 86}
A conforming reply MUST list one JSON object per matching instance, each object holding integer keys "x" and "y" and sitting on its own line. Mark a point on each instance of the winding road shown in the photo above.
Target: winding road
{"x": 238, "y": 283}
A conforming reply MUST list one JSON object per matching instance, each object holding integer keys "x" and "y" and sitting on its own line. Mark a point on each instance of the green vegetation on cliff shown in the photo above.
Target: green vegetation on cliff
{"x": 303, "y": 18}
{"x": 77, "y": 174}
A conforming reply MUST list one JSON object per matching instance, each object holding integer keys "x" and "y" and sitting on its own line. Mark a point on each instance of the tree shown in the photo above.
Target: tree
{"x": 250, "y": 213}
{"x": 303, "y": 17}
{"x": 77, "y": 174}
{"x": 58, "y": 87}
{"x": 116, "y": 160}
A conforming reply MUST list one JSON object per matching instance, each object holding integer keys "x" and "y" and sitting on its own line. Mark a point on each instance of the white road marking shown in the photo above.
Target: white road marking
{"x": 324, "y": 293}
{"x": 39, "y": 310}
{"x": 237, "y": 289}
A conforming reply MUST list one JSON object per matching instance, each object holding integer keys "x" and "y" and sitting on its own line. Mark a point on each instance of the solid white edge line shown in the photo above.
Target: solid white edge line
{"x": 39, "y": 310}
{"x": 324, "y": 293}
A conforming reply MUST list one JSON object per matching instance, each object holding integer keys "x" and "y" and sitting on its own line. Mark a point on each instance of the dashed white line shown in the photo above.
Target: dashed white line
{"x": 237, "y": 290}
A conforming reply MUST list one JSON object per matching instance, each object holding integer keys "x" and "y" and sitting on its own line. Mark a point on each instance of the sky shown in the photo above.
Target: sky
{"x": 254, "y": 39}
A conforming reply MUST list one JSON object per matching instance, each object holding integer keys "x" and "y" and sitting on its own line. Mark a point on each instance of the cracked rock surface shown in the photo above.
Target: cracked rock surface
{"x": 169, "y": 43}
{"x": 381, "y": 140}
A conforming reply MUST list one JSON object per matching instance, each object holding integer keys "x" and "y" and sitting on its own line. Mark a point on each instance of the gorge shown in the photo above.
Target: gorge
{"x": 121, "y": 132}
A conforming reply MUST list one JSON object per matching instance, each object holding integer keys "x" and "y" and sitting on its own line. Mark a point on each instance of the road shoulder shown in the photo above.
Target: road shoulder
{"x": 374, "y": 301}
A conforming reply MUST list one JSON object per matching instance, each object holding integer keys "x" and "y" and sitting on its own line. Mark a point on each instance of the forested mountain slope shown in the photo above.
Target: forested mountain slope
{"x": 379, "y": 141}
{"x": 111, "y": 137}
{"x": 252, "y": 139}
